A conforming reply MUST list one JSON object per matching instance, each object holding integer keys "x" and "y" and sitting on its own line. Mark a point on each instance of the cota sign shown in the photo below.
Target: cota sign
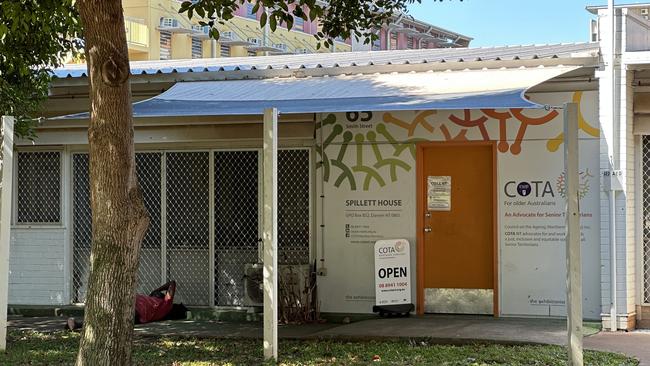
{"x": 534, "y": 188}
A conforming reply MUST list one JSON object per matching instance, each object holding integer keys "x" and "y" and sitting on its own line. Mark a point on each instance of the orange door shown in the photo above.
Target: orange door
{"x": 457, "y": 243}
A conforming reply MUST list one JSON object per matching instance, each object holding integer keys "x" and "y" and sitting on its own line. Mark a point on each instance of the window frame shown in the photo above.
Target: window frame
{"x": 14, "y": 193}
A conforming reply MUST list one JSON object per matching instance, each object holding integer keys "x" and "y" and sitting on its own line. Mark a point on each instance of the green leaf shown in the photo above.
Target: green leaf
{"x": 273, "y": 23}
{"x": 263, "y": 19}
{"x": 214, "y": 33}
{"x": 289, "y": 22}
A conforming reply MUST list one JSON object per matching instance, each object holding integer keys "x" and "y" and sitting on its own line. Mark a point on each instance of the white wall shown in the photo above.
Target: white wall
{"x": 36, "y": 266}
{"x": 348, "y": 285}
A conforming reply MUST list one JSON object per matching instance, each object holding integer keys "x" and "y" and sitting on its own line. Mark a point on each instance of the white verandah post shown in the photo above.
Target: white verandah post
{"x": 270, "y": 233}
{"x": 5, "y": 221}
{"x": 573, "y": 258}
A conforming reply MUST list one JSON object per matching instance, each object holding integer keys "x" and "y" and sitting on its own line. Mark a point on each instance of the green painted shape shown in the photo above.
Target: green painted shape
{"x": 393, "y": 163}
{"x": 399, "y": 146}
{"x": 370, "y": 175}
{"x": 324, "y": 163}
{"x": 346, "y": 173}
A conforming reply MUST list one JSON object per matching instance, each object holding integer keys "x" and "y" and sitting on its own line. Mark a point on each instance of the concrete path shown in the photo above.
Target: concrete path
{"x": 183, "y": 328}
{"x": 457, "y": 329}
{"x": 443, "y": 329}
{"x": 635, "y": 344}
{"x": 440, "y": 328}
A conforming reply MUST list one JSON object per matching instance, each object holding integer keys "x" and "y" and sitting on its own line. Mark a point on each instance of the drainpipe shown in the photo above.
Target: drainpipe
{"x": 614, "y": 162}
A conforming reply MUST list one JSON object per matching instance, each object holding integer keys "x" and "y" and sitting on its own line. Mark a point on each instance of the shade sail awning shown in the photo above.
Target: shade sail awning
{"x": 465, "y": 89}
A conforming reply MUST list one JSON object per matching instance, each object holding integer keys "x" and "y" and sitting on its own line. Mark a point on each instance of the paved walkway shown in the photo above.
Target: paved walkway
{"x": 440, "y": 328}
{"x": 635, "y": 344}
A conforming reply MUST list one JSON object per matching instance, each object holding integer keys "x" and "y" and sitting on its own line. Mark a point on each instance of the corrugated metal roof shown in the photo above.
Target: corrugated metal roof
{"x": 349, "y": 59}
{"x": 463, "y": 89}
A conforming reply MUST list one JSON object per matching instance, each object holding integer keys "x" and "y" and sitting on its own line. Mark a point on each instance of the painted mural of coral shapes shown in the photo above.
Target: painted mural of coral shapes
{"x": 366, "y": 149}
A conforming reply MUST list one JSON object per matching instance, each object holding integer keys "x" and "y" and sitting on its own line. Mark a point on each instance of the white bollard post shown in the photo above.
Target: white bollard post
{"x": 573, "y": 267}
{"x": 5, "y": 221}
{"x": 270, "y": 233}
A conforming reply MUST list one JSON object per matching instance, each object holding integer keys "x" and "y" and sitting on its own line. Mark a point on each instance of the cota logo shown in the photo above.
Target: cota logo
{"x": 534, "y": 188}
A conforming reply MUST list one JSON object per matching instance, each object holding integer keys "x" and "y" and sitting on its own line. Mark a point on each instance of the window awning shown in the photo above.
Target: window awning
{"x": 465, "y": 89}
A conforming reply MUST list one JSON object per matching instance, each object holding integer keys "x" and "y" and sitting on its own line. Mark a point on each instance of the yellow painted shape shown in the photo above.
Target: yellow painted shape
{"x": 554, "y": 144}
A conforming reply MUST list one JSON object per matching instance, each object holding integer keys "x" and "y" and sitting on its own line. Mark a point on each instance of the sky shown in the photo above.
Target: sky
{"x": 512, "y": 22}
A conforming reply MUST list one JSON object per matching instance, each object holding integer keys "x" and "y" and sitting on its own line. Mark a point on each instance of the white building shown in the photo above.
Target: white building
{"x": 362, "y": 136}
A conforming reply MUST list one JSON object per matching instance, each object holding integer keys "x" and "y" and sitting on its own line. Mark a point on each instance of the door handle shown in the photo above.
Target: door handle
{"x": 427, "y": 229}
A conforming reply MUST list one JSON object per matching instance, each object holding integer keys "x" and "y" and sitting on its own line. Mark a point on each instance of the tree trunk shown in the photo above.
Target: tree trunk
{"x": 119, "y": 218}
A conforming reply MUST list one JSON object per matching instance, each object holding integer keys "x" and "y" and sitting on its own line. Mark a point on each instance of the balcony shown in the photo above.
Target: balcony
{"x": 137, "y": 33}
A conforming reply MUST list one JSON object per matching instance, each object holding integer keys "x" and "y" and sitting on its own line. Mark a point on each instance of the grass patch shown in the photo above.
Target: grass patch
{"x": 32, "y": 348}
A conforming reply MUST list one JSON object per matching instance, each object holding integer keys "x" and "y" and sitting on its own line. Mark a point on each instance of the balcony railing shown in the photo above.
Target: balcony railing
{"x": 137, "y": 33}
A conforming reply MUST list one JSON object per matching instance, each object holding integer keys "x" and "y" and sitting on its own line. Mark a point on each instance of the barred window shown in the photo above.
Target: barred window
{"x": 645, "y": 174}
{"x": 39, "y": 187}
{"x": 293, "y": 206}
{"x": 204, "y": 228}
{"x": 197, "y": 48}
{"x": 165, "y": 45}
{"x": 410, "y": 43}
{"x": 225, "y": 50}
{"x": 393, "y": 41}
{"x": 236, "y": 222}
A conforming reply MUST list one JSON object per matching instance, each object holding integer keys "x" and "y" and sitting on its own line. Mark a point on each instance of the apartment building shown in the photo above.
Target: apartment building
{"x": 156, "y": 31}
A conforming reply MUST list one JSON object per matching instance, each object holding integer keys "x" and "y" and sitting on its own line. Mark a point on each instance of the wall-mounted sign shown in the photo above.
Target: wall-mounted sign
{"x": 439, "y": 193}
{"x": 392, "y": 272}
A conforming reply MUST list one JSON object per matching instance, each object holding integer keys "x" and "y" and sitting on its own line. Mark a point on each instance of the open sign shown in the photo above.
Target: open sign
{"x": 392, "y": 272}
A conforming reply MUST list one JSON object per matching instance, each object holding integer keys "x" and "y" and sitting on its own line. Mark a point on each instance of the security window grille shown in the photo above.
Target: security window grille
{"x": 410, "y": 43}
{"x": 224, "y": 50}
{"x": 197, "y": 48}
{"x": 646, "y": 218}
{"x": 149, "y": 177}
{"x": 188, "y": 225}
{"x": 81, "y": 227}
{"x": 293, "y": 206}
{"x": 148, "y": 168}
{"x": 179, "y": 243}
{"x": 39, "y": 187}
{"x": 236, "y": 222}
{"x": 165, "y": 45}
{"x": 393, "y": 41}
